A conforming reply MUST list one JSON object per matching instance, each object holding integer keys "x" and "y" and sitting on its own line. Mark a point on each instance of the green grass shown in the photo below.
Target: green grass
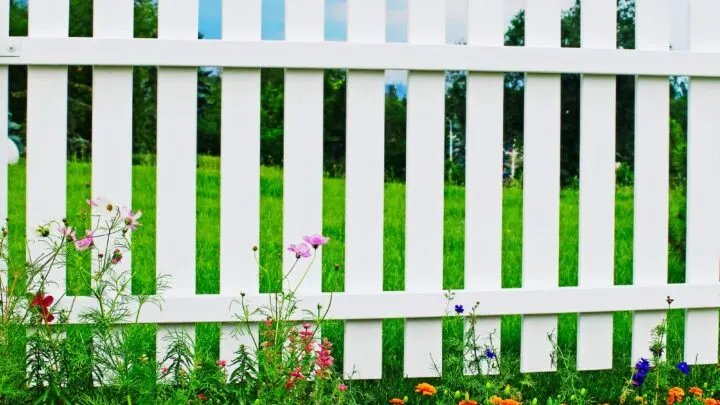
{"x": 603, "y": 385}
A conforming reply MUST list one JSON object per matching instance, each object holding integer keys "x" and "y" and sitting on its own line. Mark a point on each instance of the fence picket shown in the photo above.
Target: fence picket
{"x": 651, "y": 186}
{"x": 240, "y": 173}
{"x": 483, "y": 180}
{"x": 46, "y": 136}
{"x": 424, "y": 188}
{"x": 703, "y": 200}
{"x": 176, "y": 164}
{"x": 541, "y": 184}
{"x": 4, "y": 88}
{"x": 364, "y": 198}
{"x": 112, "y": 130}
{"x": 597, "y": 186}
{"x": 303, "y": 144}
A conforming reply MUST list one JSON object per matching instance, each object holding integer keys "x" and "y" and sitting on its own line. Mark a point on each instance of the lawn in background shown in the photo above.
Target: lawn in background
{"x": 603, "y": 385}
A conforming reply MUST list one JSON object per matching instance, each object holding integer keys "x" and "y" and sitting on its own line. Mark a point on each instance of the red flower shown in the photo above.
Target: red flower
{"x": 202, "y": 397}
{"x": 42, "y": 303}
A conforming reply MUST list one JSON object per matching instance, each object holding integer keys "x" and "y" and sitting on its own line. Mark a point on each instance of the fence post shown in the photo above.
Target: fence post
{"x": 483, "y": 181}
{"x": 651, "y": 185}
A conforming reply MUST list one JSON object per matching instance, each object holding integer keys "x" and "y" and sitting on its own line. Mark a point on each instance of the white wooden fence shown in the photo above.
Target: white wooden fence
{"x": 177, "y": 51}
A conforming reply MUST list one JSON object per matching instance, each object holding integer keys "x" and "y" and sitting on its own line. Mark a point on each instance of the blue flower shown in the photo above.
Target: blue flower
{"x": 489, "y": 354}
{"x": 682, "y": 366}
{"x": 639, "y": 378}
{"x": 643, "y": 365}
{"x": 459, "y": 309}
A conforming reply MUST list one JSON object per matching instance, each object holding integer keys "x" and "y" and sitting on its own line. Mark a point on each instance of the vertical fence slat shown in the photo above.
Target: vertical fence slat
{"x": 47, "y": 135}
{"x": 541, "y": 184}
{"x": 483, "y": 180}
{"x": 112, "y": 121}
{"x": 176, "y": 163}
{"x": 597, "y": 186}
{"x": 4, "y": 83}
{"x": 703, "y": 199}
{"x": 240, "y": 172}
{"x": 303, "y": 144}
{"x": 364, "y": 199}
{"x": 652, "y": 109}
{"x": 424, "y": 192}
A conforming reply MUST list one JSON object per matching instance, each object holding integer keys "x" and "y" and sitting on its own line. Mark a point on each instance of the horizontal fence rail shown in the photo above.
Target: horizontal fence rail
{"x": 339, "y": 55}
{"x": 304, "y": 54}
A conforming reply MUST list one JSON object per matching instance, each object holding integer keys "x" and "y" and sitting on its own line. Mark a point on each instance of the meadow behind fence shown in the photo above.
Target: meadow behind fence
{"x": 363, "y": 304}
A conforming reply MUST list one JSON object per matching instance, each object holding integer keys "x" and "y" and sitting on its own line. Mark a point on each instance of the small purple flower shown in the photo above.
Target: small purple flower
{"x": 316, "y": 240}
{"x": 639, "y": 378}
{"x": 489, "y": 353}
{"x": 459, "y": 309}
{"x": 683, "y": 366}
{"x": 643, "y": 365}
{"x": 301, "y": 250}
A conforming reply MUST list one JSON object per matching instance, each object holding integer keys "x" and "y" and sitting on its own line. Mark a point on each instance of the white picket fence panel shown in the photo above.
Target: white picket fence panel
{"x": 363, "y": 305}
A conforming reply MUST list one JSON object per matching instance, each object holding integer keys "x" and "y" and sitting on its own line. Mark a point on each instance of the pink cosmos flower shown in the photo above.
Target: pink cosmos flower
{"x": 164, "y": 370}
{"x": 316, "y": 240}
{"x": 91, "y": 202}
{"x": 301, "y": 250}
{"x": 85, "y": 242}
{"x": 221, "y": 363}
{"x": 116, "y": 257}
{"x": 342, "y": 387}
{"x": 67, "y": 232}
{"x": 131, "y": 220}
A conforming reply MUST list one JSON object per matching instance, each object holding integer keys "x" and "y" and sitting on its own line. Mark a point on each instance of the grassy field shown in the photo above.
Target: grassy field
{"x": 603, "y": 385}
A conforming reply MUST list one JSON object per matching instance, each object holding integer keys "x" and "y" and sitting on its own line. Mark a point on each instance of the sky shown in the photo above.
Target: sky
{"x": 396, "y": 27}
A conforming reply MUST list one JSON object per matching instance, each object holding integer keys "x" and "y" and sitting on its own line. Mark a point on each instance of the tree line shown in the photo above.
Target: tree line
{"x": 210, "y": 87}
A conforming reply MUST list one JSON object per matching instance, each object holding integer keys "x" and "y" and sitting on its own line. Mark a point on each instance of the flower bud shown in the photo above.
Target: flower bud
{"x": 534, "y": 401}
{"x": 457, "y": 394}
{"x": 254, "y": 248}
{"x": 573, "y": 397}
{"x": 582, "y": 392}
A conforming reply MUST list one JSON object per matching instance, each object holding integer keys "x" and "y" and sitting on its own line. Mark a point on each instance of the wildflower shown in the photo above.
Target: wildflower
{"x": 221, "y": 363}
{"x": 85, "y": 242}
{"x": 67, "y": 232}
{"x": 342, "y": 387}
{"x": 268, "y": 322}
{"x": 467, "y": 402}
{"x": 131, "y": 220}
{"x": 91, "y": 202}
{"x": 116, "y": 257}
{"x": 297, "y": 374}
{"x": 42, "y": 303}
{"x": 639, "y": 378}
{"x": 425, "y": 389}
{"x": 683, "y": 366}
{"x": 202, "y": 397}
{"x": 164, "y": 370}
{"x": 643, "y": 365}
{"x": 301, "y": 250}
{"x": 510, "y": 402}
{"x": 711, "y": 401}
{"x": 43, "y": 231}
{"x": 459, "y": 309}
{"x": 489, "y": 353}
{"x": 316, "y": 240}
{"x": 675, "y": 394}
{"x": 397, "y": 401}
{"x": 495, "y": 400}
{"x": 697, "y": 391}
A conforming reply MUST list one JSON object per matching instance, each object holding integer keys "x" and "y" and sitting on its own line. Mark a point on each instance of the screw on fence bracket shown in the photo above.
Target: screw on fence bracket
{"x": 9, "y": 50}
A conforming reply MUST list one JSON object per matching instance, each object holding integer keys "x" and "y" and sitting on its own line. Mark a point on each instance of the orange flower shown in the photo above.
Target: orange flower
{"x": 510, "y": 402}
{"x": 467, "y": 402}
{"x": 697, "y": 391}
{"x": 711, "y": 401}
{"x": 675, "y": 394}
{"x": 397, "y": 401}
{"x": 495, "y": 400}
{"x": 425, "y": 389}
